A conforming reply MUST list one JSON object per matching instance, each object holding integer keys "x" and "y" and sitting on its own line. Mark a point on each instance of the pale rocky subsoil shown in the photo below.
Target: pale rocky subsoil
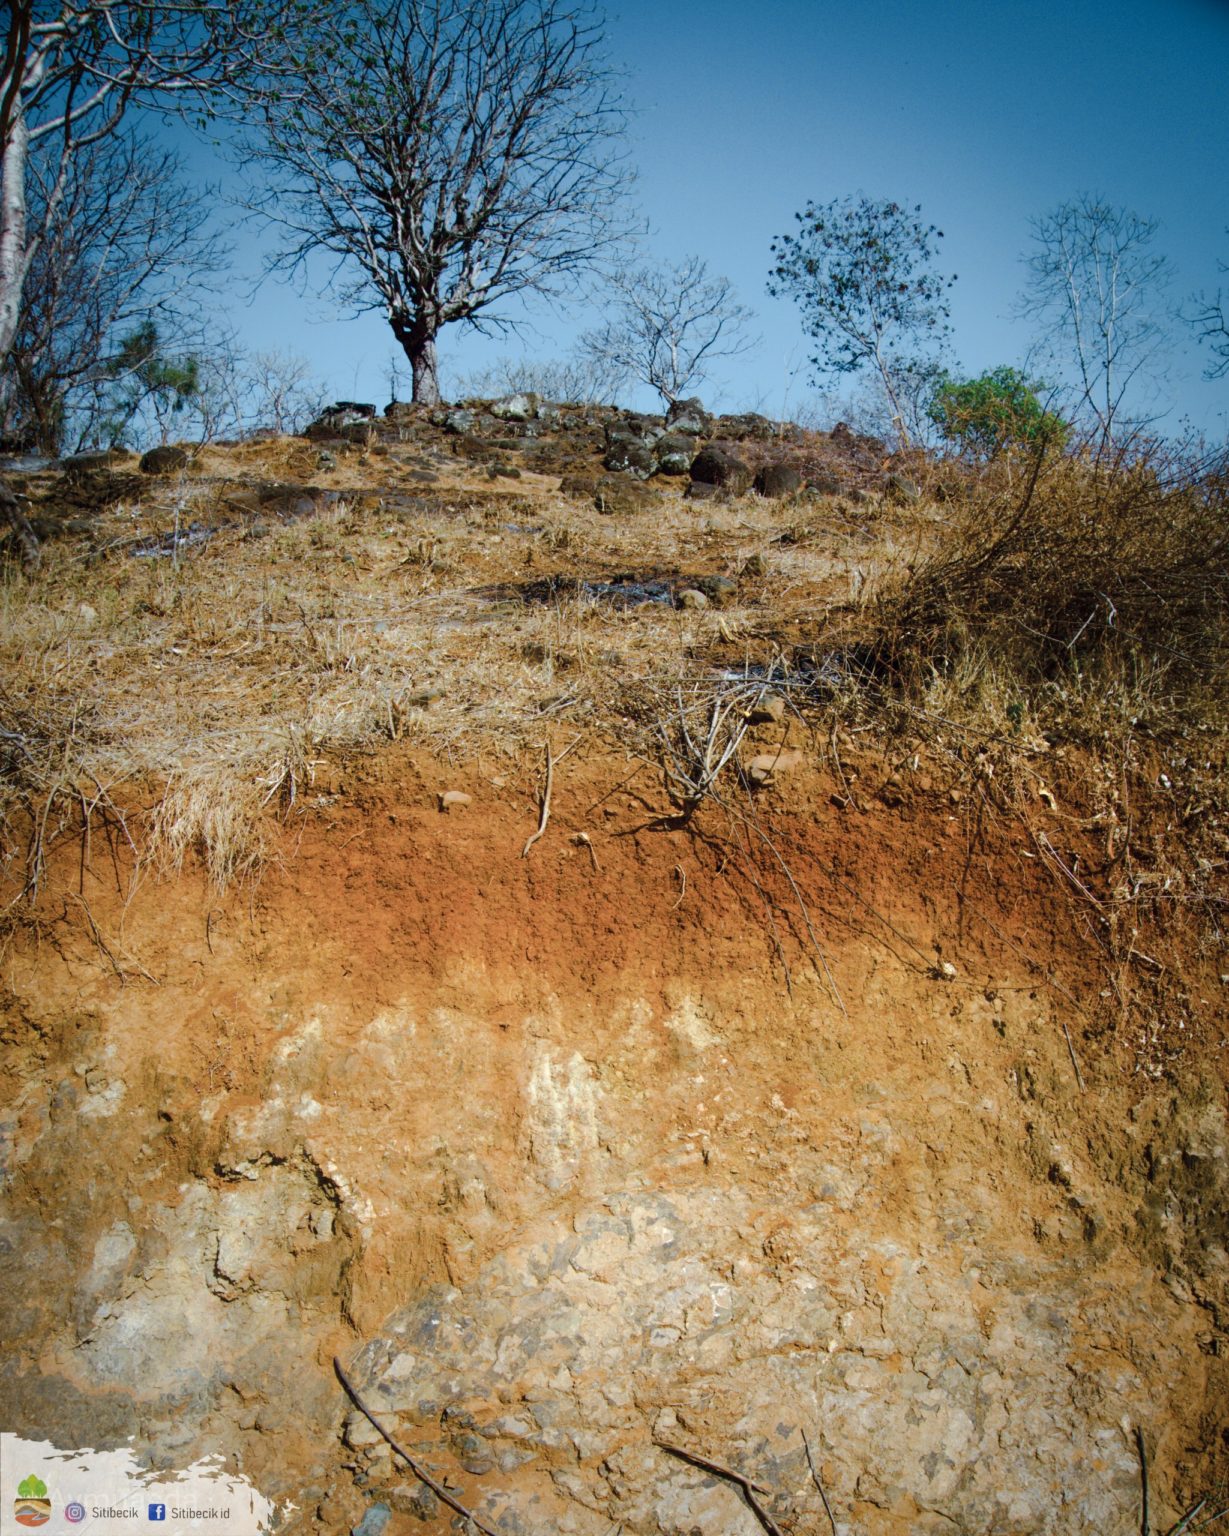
{"x": 570, "y": 1154}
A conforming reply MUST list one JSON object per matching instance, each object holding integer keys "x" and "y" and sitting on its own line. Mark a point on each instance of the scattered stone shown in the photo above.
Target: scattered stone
{"x": 86, "y": 614}
{"x": 946, "y": 971}
{"x": 454, "y": 800}
{"x": 717, "y": 466}
{"x": 779, "y": 479}
{"x": 459, "y": 422}
{"x": 689, "y": 597}
{"x": 769, "y": 710}
{"x": 373, "y": 1522}
{"x": 520, "y": 407}
{"x": 754, "y": 567}
{"x": 163, "y": 461}
{"x": 719, "y": 590}
{"x": 699, "y": 491}
{"x": 417, "y": 1501}
{"x": 503, "y": 472}
{"x": 326, "y": 460}
{"x": 766, "y": 767}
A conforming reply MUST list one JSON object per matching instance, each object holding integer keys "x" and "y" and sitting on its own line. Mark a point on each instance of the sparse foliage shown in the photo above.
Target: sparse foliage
{"x": 861, "y": 272}
{"x": 127, "y": 247}
{"x": 994, "y": 412}
{"x": 69, "y": 72}
{"x": 669, "y": 325}
{"x": 581, "y": 380}
{"x": 1098, "y": 285}
{"x": 448, "y": 157}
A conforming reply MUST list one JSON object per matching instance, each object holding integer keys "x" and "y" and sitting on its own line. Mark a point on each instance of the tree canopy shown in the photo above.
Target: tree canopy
{"x": 449, "y": 155}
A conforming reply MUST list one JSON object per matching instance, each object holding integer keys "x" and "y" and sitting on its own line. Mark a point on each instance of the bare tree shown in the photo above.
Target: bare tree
{"x": 449, "y": 154}
{"x": 1210, "y": 319}
{"x": 127, "y": 245}
{"x": 69, "y": 71}
{"x": 670, "y": 324}
{"x": 1098, "y": 285}
{"x": 580, "y": 380}
{"x": 860, "y": 271}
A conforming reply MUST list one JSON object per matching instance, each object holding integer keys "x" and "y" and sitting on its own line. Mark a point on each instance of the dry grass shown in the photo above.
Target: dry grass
{"x": 462, "y": 617}
{"x": 1085, "y": 601}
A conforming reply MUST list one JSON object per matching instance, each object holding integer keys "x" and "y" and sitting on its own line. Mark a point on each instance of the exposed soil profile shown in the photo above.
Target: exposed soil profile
{"x": 760, "y": 1136}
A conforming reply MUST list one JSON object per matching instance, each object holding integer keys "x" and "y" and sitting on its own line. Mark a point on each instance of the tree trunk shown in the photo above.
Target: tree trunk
{"x": 418, "y": 343}
{"x": 425, "y": 368}
{"x": 14, "y": 256}
{"x": 14, "y": 264}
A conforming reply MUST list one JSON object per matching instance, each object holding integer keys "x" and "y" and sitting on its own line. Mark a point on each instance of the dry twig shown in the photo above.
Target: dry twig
{"x": 437, "y": 1489}
{"x": 816, "y": 1480}
{"x": 551, "y": 761}
{"x": 749, "y": 1489}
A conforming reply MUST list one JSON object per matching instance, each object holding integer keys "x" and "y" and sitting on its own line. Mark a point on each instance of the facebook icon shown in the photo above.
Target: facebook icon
{"x": 157, "y": 1511}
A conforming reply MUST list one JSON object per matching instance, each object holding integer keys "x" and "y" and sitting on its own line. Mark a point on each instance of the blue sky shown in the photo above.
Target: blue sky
{"x": 986, "y": 114}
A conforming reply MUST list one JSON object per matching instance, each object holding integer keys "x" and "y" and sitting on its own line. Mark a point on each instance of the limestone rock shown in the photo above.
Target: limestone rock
{"x": 519, "y": 407}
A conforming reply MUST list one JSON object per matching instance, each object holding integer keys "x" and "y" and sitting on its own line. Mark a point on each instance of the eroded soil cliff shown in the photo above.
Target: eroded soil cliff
{"x": 751, "y": 1135}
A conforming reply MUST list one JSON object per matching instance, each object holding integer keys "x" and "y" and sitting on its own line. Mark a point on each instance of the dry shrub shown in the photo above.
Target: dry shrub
{"x": 1093, "y": 594}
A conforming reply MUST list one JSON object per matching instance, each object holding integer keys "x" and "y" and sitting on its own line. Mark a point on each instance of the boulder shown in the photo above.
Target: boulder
{"x": 692, "y": 597}
{"x": 750, "y": 424}
{"x": 698, "y": 490}
{"x": 163, "y": 461}
{"x": 717, "y": 466}
{"x": 689, "y": 416}
{"x": 459, "y": 422}
{"x": 778, "y": 479}
{"x": 627, "y": 452}
{"x": 675, "y": 452}
{"x": 342, "y": 414}
{"x": 647, "y": 428}
{"x": 519, "y": 407}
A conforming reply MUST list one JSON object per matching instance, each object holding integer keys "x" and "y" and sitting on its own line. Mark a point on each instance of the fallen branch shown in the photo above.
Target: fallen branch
{"x": 749, "y": 1489}
{"x": 437, "y": 1489}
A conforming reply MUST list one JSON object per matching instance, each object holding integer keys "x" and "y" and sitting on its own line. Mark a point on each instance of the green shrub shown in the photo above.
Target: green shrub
{"x": 997, "y": 411}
